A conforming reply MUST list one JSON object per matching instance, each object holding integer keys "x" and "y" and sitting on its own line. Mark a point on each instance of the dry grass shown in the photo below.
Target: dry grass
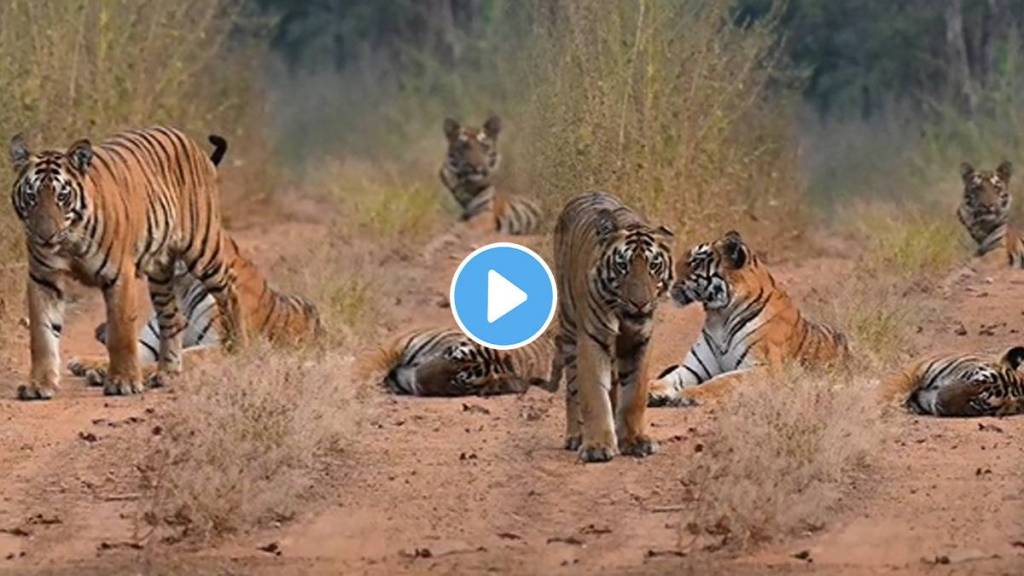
{"x": 779, "y": 460}
{"x": 245, "y": 440}
{"x": 665, "y": 105}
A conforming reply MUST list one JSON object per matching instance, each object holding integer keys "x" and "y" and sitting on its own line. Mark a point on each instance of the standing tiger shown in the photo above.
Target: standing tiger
{"x": 985, "y": 212}
{"x": 749, "y": 322}
{"x": 134, "y": 205}
{"x": 280, "y": 318}
{"x": 963, "y": 385}
{"x": 611, "y": 269}
{"x": 468, "y": 172}
{"x": 445, "y": 362}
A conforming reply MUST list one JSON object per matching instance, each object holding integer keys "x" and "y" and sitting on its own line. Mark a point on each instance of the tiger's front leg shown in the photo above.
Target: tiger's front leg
{"x": 594, "y": 379}
{"x": 631, "y": 411}
{"x": 46, "y": 318}
{"x": 124, "y": 376}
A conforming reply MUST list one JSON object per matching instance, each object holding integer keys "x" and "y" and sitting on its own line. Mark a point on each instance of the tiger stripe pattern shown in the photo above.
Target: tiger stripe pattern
{"x": 611, "y": 269}
{"x": 283, "y": 319}
{"x": 985, "y": 212}
{"x": 468, "y": 173}
{"x": 963, "y": 385}
{"x": 445, "y": 362}
{"x": 749, "y": 322}
{"x": 134, "y": 205}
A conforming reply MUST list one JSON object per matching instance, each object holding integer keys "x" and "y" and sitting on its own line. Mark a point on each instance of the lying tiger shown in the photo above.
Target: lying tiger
{"x": 468, "y": 173}
{"x": 445, "y": 362}
{"x": 750, "y": 323}
{"x": 985, "y": 212}
{"x": 963, "y": 385}
{"x": 280, "y": 318}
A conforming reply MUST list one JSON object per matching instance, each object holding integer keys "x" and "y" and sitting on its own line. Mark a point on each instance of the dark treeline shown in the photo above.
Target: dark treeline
{"x": 851, "y": 57}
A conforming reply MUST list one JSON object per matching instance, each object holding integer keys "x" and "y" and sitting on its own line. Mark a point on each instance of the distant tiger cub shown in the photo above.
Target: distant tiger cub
{"x": 985, "y": 212}
{"x": 963, "y": 385}
{"x": 611, "y": 269}
{"x": 750, "y": 322}
{"x": 445, "y": 362}
{"x": 468, "y": 173}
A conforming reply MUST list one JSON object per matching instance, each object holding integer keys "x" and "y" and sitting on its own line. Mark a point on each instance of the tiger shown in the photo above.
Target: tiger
{"x": 280, "y": 318}
{"x": 750, "y": 322}
{"x": 445, "y": 362}
{"x": 964, "y": 385}
{"x": 985, "y": 211}
{"x": 134, "y": 205}
{"x": 611, "y": 269}
{"x": 468, "y": 172}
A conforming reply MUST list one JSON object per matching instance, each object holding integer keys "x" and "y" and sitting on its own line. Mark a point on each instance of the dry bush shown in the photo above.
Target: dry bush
{"x": 779, "y": 460}
{"x": 245, "y": 441}
{"x": 664, "y": 104}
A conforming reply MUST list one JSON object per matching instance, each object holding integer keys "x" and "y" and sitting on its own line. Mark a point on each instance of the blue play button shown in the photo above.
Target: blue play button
{"x": 503, "y": 295}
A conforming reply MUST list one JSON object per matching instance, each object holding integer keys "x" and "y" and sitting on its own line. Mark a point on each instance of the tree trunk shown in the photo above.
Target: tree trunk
{"x": 961, "y": 84}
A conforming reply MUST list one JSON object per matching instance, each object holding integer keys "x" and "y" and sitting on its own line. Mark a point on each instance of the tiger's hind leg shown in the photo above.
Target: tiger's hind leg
{"x": 219, "y": 281}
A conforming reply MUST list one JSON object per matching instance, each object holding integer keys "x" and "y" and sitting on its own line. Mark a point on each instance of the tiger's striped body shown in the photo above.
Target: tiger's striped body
{"x": 280, "y": 318}
{"x": 611, "y": 270}
{"x": 135, "y": 205}
{"x": 985, "y": 212}
{"x": 468, "y": 173}
{"x": 445, "y": 362}
{"x": 749, "y": 322}
{"x": 964, "y": 385}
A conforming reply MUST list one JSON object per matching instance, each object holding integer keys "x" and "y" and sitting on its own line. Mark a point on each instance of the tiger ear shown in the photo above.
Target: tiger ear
{"x": 1004, "y": 171}
{"x": 19, "y": 152}
{"x": 606, "y": 225}
{"x": 735, "y": 249}
{"x": 80, "y": 155}
{"x": 1014, "y": 357}
{"x": 966, "y": 171}
{"x": 451, "y": 129}
{"x": 492, "y": 127}
{"x": 664, "y": 231}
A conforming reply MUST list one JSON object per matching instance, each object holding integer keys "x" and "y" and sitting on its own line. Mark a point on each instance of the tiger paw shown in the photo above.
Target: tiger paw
{"x": 36, "y": 391}
{"x": 94, "y": 373}
{"x": 160, "y": 379}
{"x": 596, "y": 453}
{"x": 573, "y": 442}
{"x": 121, "y": 386}
{"x": 639, "y": 446}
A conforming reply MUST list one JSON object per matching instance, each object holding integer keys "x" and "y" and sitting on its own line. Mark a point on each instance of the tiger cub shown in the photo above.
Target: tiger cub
{"x": 468, "y": 172}
{"x": 611, "y": 269}
{"x": 749, "y": 322}
{"x": 445, "y": 362}
{"x": 985, "y": 212}
{"x": 963, "y": 385}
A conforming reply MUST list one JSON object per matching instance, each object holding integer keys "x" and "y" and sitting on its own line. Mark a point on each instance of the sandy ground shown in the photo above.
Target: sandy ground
{"x": 467, "y": 486}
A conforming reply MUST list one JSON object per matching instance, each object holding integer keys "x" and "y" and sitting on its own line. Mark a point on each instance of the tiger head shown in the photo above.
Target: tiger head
{"x": 711, "y": 273}
{"x": 987, "y": 197}
{"x": 472, "y": 152}
{"x": 635, "y": 268}
{"x": 48, "y": 193}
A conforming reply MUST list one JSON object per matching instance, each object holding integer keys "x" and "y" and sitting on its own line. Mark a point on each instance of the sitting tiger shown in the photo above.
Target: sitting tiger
{"x": 611, "y": 269}
{"x": 985, "y": 212}
{"x": 468, "y": 173}
{"x": 278, "y": 317}
{"x": 135, "y": 205}
{"x": 445, "y": 362}
{"x": 963, "y": 385}
{"x": 750, "y": 322}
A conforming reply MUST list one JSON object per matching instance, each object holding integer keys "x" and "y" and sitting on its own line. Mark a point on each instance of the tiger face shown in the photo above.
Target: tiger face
{"x": 635, "y": 268}
{"x": 48, "y": 194}
{"x": 986, "y": 193}
{"x": 711, "y": 272}
{"x": 473, "y": 153}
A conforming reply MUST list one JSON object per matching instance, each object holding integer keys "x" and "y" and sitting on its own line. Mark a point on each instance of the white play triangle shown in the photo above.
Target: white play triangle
{"x": 502, "y": 296}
